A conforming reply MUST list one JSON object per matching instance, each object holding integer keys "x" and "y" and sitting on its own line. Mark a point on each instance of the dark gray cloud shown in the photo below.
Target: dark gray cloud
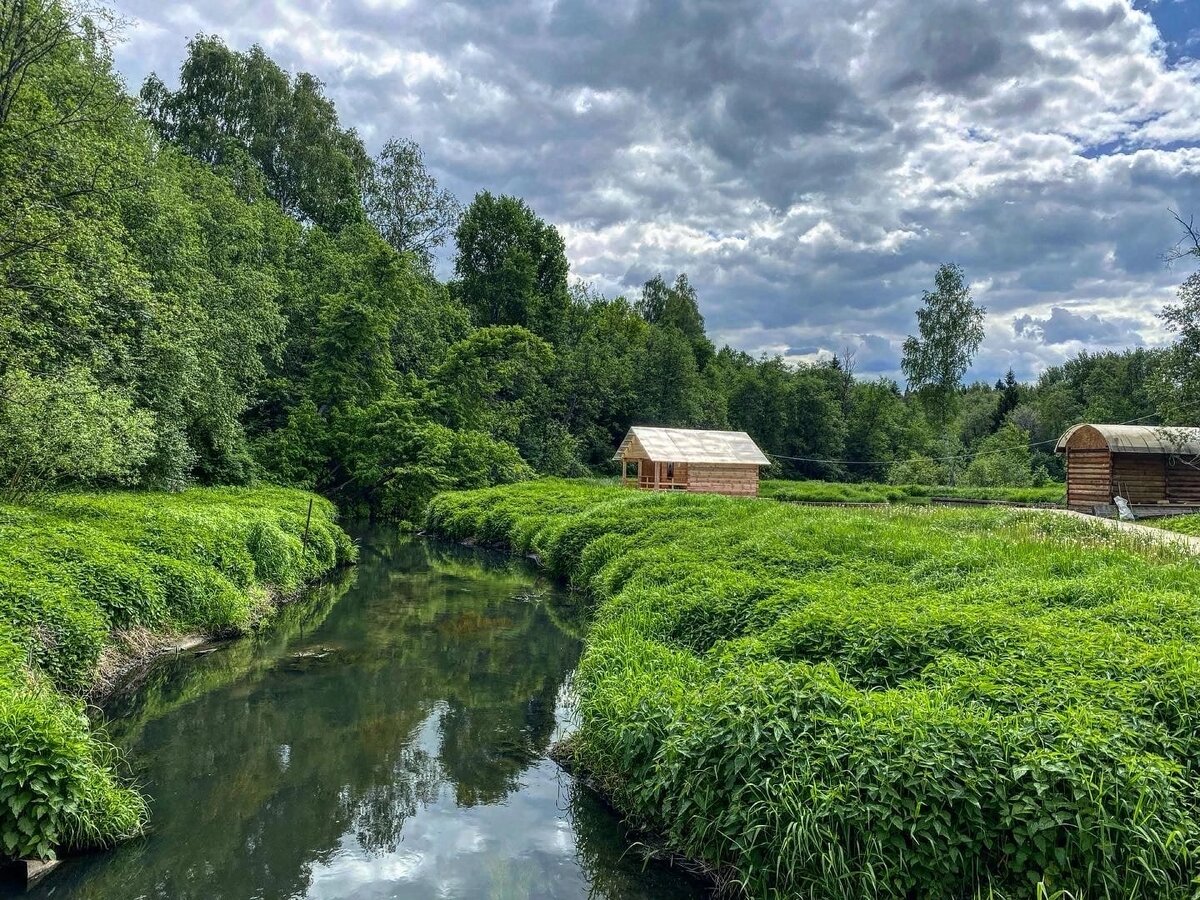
{"x": 1063, "y": 326}
{"x": 807, "y": 164}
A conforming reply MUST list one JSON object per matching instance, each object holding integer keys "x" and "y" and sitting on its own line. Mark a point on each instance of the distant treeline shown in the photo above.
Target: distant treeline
{"x": 216, "y": 283}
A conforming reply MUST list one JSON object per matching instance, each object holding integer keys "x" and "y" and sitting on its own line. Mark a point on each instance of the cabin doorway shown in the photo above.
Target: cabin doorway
{"x": 662, "y": 476}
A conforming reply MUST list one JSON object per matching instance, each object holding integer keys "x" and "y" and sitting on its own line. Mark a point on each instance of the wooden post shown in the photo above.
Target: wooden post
{"x": 656, "y": 468}
{"x": 307, "y": 522}
{"x": 624, "y": 473}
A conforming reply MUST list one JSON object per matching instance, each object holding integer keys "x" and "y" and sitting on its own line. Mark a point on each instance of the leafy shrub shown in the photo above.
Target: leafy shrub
{"x": 76, "y": 568}
{"x": 68, "y": 428}
{"x": 1002, "y": 459}
{"x": 916, "y": 469}
{"x": 901, "y": 702}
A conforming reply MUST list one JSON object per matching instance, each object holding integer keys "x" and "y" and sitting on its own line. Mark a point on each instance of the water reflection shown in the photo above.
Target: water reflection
{"x": 386, "y": 743}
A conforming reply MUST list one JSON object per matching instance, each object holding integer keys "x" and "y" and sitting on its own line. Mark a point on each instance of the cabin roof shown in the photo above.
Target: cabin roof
{"x": 691, "y": 445}
{"x": 1159, "y": 439}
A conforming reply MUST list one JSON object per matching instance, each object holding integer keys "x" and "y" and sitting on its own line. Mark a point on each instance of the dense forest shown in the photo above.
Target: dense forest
{"x": 217, "y": 283}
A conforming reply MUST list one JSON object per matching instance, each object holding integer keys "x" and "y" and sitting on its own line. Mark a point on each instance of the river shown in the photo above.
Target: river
{"x": 386, "y": 738}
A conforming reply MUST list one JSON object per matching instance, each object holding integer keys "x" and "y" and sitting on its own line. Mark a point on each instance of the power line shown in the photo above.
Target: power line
{"x": 856, "y": 462}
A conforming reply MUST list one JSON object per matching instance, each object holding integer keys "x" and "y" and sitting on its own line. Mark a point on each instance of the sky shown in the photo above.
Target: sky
{"x": 807, "y": 163}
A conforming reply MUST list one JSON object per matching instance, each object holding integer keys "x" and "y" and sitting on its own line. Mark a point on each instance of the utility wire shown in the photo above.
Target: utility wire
{"x": 856, "y": 462}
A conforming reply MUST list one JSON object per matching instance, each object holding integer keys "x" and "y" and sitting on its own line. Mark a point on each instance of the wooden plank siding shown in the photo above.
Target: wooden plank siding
{"x": 688, "y": 459}
{"x": 724, "y": 478}
{"x": 662, "y": 476}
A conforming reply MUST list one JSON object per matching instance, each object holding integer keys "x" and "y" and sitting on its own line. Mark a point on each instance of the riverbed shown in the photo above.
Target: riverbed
{"x": 386, "y": 738}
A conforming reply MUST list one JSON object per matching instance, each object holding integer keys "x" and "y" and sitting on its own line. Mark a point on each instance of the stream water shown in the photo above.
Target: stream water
{"x": 386, "y": 738}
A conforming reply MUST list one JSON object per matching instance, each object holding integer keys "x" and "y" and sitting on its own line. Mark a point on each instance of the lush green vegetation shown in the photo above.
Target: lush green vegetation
{"x": 216, "y": 283}
{"x": 77, "y": 571}
{"x": 1182, "y": 524}
{"x": 869, "y": 492}
{"x": 902, "y": 702}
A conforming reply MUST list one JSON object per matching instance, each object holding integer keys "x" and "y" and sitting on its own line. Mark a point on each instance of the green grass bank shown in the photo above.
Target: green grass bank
{"x": 905, "y": 702}
{"x": 875, "y": 492}
{"x": 80, "y": 573}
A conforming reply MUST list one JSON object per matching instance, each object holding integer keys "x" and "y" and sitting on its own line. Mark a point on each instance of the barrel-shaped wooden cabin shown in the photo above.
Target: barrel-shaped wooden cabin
{"x": 686, "y": 459}
{"x": 1155, "y": 467}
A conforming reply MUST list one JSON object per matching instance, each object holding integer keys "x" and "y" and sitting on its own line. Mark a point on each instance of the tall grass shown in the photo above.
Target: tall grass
{"x": 78, "y": 569}
{"x": 1189, "y": 525}
{"x": 903, "y": 702}
{"x": 873, "y": 492}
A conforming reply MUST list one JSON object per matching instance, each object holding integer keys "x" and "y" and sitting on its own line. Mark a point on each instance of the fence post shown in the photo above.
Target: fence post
{"x": 307, "y": 522}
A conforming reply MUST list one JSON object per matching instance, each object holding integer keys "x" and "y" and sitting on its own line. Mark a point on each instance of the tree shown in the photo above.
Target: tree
{"x": 950, "y": 329}
{"x": 494, "y": 380}
{"x": 676, "y": 306}
{"x": 68, "y": 429}
{"x": 669, "y": 386}
{"x": 1010, "y": 397}
{"x": 917, "y": 469}
{"x": 875, "y": 423}
{"x": 405, "y": 203}
{"x": 597, "y": 374}
{"x": 231, "y": 106}
{"x": 57, "y": 96}
{"x": 32, "y": 33}
{"x": 1177, "y": 388}
{"x": 511, "y": 266}
{"x": 1001, "y": 460}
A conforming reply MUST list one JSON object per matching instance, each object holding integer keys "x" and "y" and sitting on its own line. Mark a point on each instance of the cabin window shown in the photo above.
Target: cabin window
{"x": 670, "y": 471}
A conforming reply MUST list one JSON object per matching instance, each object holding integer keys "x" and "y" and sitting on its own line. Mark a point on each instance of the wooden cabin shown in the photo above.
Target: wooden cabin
{"x": 1156, "y": 468}
{"x": 686, "y": 459}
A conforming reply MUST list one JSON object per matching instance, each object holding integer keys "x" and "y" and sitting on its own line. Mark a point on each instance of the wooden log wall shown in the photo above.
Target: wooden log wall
{"x": 1089, "y": 477}
{"x": 723, "y": 478}
{"x": 1183, "y": 482}
{"x": 1139, "y": 477}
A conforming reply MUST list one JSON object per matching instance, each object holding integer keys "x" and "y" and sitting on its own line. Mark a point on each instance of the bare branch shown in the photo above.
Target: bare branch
{"x": 1188, "y": 243}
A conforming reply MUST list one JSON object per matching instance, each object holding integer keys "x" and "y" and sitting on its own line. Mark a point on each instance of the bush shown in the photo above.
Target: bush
{"x": 916, "y": 469}
{"x": 67, "y": 428}
{"x": 78, "y": 568}
{"x": 902, "y": 702}
{"x": 1002, "y": 459}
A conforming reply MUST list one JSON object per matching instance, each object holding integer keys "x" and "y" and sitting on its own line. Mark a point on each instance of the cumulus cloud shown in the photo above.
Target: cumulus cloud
{"x": 1063, "y": 327}
{"x": 807, "y": 164}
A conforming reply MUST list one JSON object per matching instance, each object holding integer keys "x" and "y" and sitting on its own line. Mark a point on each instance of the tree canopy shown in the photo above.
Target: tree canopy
{"x": 217, "y": 283}
{"x": 949, "y": 331}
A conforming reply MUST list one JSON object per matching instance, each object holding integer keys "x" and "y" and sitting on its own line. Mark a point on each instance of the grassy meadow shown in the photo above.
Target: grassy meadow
{"x": 899, "y": 702}
{"x": 80, "y": 571}
{"x": 875, "y": 492}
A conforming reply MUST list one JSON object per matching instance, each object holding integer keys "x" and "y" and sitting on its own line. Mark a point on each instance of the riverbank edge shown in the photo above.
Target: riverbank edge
{"x": 133, "y": 651}
{"x": 649, "y": 845}
{"x": 123, "y": 666}
{"x": 128, "y": 654}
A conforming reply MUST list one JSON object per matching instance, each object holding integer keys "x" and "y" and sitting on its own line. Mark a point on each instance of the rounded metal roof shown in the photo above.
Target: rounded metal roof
{"x": 1165, "y": 439}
